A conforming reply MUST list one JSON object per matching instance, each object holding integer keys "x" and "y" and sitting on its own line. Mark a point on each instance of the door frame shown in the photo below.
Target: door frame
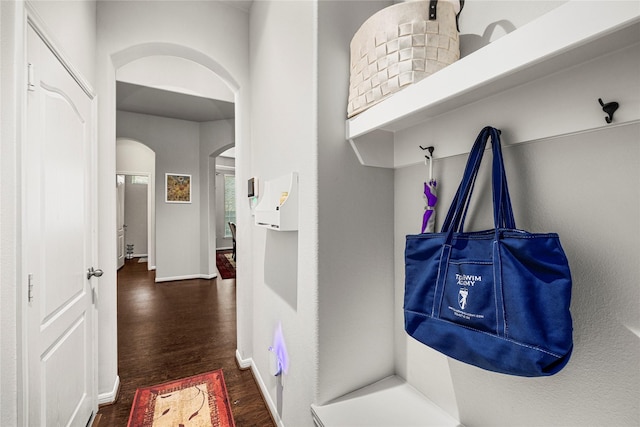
{"x": 121, "y": 257}
{"x": 110, "y": 60}
{"x": 151, "y": 213}
{"x": 31, "y": 19}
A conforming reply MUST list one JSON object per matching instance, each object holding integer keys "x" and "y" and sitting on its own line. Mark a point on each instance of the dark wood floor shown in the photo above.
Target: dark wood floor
{"x": 172, "y": 330}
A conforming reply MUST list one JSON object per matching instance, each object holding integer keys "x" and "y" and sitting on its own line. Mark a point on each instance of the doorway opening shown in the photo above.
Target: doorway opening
{"x": 135, "y": 204}
{"x": 224, "y": 178}
{"x": 135, "y": 234}
{"x": 225, "y": 197}
{"x": 184, "y": 112}
{"x": 169, "y": 69}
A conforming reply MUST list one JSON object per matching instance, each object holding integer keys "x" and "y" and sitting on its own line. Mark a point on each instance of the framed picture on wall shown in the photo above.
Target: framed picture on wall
{"x": 177, "y": 188}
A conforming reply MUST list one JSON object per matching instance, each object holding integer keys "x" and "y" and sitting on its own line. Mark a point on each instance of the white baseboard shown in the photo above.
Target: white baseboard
{"x": 243, "y": 363}
{"x": 187, "y": 277}
{"x": 111, "y": 396}
{"x": 249, "y": 363}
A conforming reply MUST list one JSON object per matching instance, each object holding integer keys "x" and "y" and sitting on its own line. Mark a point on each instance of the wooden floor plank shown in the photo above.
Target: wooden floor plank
{"x": 172, "y": 330}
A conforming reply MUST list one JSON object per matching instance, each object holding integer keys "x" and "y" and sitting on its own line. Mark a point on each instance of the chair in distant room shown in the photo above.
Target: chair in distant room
{"x": 232, "y": 226}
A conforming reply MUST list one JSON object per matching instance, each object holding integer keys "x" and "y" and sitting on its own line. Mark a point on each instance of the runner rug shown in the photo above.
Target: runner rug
{"x": 226, "y": 265}
{"x": 199, "y": 401}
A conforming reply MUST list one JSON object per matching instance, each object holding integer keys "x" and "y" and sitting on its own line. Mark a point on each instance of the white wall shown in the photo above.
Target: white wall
{"x": 177, "y": 147}
{"x": 178, "y": 75}
{"x": 217, "y": 38}
{"x": 355, "y": 215}
{"x": 134, "y": 156}
{"x": 78, "y": 43}
{"x": 337, "y": 310}
{"x": 284, "y": 140}
{"x": 10, "y": 78}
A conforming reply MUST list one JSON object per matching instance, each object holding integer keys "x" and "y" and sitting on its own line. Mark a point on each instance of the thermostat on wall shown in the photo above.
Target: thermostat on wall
{"x": 252, "y": 187}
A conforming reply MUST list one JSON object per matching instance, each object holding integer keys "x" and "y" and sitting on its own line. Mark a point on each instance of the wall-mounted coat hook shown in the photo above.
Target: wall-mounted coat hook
{"x": 609, "y": 108}
{"x": 429, "y": 148}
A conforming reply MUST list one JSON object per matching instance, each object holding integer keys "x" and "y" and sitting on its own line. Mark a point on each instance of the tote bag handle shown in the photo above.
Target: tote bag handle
{"x": 502, "y": 209}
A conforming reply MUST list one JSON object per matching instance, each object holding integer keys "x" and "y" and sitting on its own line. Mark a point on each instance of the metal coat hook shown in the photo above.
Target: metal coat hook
{"x": 609, "y": 108}
{"x": 430, "y": 149}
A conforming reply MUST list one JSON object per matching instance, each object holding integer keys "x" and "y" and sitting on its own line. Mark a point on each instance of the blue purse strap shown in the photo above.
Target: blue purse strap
{"x": 502, "y": 217}
{"x": 502, "y": 209}
{"x": 453, "y": 217}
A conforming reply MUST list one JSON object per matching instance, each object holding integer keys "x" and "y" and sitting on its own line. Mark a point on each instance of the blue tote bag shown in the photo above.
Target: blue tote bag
{"x": 497, "y": 299}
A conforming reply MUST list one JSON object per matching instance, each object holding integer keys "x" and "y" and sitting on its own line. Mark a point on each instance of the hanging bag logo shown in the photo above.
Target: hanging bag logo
{"x": 463, "y": 295}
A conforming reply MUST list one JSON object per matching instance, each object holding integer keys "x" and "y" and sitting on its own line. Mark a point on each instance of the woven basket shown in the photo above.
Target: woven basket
{"x": 399, "y": 46}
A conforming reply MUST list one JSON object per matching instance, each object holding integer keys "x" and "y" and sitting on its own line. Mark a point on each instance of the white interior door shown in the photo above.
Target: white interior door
{"x": 120, "y": 188}
{"x": 59, "y": 246}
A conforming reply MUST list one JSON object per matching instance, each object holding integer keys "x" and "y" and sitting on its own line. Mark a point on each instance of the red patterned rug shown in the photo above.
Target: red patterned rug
{"x": 226, "y": 265}
{"x": 199, "y": 401}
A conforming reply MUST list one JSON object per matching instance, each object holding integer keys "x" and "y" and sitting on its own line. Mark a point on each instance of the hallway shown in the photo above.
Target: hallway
{"x": 173, "y": 330}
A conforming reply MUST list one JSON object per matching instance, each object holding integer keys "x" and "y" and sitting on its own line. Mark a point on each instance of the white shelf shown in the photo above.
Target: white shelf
{"x": 573, "y": 33}
{"x": 275, "y": 210}
{"x": 388, "y": 402}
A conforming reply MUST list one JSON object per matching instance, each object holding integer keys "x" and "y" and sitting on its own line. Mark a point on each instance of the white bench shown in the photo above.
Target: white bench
{"x": 390, "y": 402}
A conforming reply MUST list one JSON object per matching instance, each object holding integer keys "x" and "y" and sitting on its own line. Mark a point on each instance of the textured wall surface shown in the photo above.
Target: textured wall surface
{"x": 283, "y": 140}
{"x": 355, "y": 215}
{"x": 586, "y": 194}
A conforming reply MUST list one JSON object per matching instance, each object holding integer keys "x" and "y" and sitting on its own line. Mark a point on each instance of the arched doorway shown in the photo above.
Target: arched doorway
{"x": 136, "y": 163}
{"x": 107, "y": 318}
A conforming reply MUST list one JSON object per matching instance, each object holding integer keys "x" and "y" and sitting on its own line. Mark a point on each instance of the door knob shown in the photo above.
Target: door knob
{"x": 91, "y": 272}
